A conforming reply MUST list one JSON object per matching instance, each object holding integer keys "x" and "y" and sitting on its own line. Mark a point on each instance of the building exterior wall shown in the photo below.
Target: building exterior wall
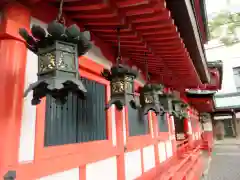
{"x": 119, "y": 157}
{"x": 231, "y": 59}
{"x": 227, "y": 97}
{"x": 137, "y": 161}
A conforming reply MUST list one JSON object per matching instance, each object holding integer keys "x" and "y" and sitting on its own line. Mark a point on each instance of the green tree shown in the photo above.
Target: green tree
{"x": 224, "y": 26}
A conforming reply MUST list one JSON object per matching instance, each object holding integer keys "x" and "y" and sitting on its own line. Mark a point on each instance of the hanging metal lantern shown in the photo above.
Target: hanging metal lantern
{"x": 179, "y": 114}
{"x": 149, "y": 95}
{"x": 180, "y": 109}
{"x": 204, "y": 117}
{"x": 149, "y": 98}
{"x": 166, "y": 101}
{"x": 121, "y": 79}
{"x": 122, "y": 85}
{"x": 58, "y": 51}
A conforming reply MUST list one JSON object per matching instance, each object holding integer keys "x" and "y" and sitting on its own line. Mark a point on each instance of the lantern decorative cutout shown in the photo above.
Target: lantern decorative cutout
{"x": 122, "y": 85}
{"x": 166, "y": 101}
{"x": 121, "y": 79}
{"x": 180, "y": 114}
{"x": 58, "y": 51}
{"x": 179, "y": 109}
{"x": 149, "y": 98}
{"x": 149, "y": 95}
{"x": 204, "y": 117}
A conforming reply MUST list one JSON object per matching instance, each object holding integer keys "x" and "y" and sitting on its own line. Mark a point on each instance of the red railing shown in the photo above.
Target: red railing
{"x": 182, "y": 147}
{"x": 180, "y": 167}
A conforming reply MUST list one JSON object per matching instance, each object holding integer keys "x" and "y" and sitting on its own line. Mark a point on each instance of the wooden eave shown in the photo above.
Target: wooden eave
{"x": 217, "y": 66}
{"x": 202, "y": 104}
{"x": 147, "y": 26}
{"x": 201, "y": 15}
{"x": 201, "y": 100}
{"x": 185, "y": 19}
{"x": 199, "y": 95}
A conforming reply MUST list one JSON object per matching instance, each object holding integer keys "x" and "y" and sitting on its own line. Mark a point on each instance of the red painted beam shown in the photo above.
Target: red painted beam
{"x": 147, "y": 25}
{"x": 127, "y": 3}
{"x": 85, "y": 6}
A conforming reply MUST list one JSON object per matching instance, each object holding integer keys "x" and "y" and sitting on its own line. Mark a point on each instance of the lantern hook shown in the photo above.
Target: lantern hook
{"x": 119, "y": 47}
{"x": 60, "y": 17}
{"x": 146, "y": 68}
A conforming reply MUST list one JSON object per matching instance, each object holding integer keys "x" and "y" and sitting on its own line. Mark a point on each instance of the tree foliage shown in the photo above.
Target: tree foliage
{"x": 224, "y": 26}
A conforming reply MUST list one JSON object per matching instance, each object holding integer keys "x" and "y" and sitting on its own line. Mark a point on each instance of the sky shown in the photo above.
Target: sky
{"x": 214, "y": 6}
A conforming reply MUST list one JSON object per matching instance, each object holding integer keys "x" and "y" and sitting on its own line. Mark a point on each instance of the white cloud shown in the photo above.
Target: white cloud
{"x": 215, "y": 6}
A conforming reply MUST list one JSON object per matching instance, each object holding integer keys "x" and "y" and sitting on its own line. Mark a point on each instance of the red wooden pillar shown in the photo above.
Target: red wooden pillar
{"x": 12, "y": 68}
{"x": 120, "y": 143}
{"x": 189, "y": 128}
{"x": 172, "y": 133}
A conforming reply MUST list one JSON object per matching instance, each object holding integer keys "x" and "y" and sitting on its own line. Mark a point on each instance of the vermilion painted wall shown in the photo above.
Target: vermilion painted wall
{"x": 107, "y": 159}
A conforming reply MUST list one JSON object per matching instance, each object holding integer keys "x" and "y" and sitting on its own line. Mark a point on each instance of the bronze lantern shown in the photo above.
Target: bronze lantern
{"x": 121, "y": 79}
{"x": 180, "y": 109}
{"x": 179, "y": 114}
{"x": 149, "y": 98}
{"x": 166, "y": 101}
{"x": 204, "y": 117}
{"x": 58, "y": 50}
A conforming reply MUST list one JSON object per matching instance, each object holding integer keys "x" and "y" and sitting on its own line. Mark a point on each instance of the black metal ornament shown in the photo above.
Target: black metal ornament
{"x": 180, "y": 109}
{"x": 166, "y": 101}
{"x": 204, "y": 117}
{"x": 121, "y": 79}
{"x": 58, "y": 50}
{"x": 149, "y": 96}
{"x": 179, "y": 114}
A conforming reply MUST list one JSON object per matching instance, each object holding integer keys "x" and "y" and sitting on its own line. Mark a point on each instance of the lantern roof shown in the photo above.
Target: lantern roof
{"x": 41, "y": 39}
{"x": 190, "y": 18}
{"x": 202, "y": 98}
{"x": 199, "y": 93}
{"x": 146, "y": 26}
{"x": 216, "y": 67}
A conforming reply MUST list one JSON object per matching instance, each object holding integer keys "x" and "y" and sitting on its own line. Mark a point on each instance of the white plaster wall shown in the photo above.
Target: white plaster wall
{"x": 162, "y": 152}
{"x": 238, "y": 115}
{"x": 72, "y": 174}
{"x": 231, "y": 58}
{"x": 172, "y": 123}
{"x": 148, "y": 158}
{"x": 169, "y": 149}
{"x": 105, "y": 169}
{"x": 124, "y": 127}
{"x": 133, "y": 166}
{"x": 28, "y": 122}
{"x": 114, "y": 132}
{"x": 227, "y": 101}
{"x": 190, "y": 127}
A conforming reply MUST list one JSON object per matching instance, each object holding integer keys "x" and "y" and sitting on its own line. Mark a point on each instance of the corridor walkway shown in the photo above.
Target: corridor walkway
{"x": 225, "y": 164}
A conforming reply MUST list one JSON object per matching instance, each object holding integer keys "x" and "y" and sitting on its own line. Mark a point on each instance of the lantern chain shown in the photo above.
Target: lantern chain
{"x": 119, "y": 46}
{"x": 60, "y": 17}
{"x": 146, "y": 67}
